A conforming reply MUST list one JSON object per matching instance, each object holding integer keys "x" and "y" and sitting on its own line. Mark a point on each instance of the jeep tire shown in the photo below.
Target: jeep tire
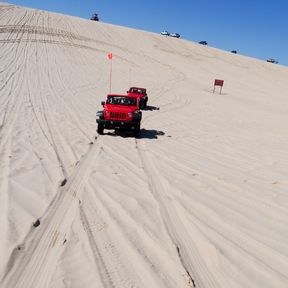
{"x": 100, "y": 129}
{"x": 136, "y": 132}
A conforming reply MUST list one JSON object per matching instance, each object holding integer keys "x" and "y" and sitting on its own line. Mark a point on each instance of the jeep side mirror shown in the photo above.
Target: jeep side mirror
{"x": 102, "y": 103}
{"x": 127, "y": 92}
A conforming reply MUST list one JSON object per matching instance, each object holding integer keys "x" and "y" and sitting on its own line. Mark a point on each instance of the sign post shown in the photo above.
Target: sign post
{"x": 110, "y": 56}
{"x": 218, "y": 82}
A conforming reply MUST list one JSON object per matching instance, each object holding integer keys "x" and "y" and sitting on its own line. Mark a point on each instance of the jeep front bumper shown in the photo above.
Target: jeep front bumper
{"x": 119, "y": 124}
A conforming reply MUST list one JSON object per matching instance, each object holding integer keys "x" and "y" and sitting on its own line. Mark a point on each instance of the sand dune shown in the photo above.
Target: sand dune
{"x": 198, "y": 200}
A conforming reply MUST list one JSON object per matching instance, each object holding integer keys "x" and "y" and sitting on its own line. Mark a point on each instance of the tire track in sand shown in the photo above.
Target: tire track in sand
{"x": 34, "y": 265}
{"x": 190, "y": 258}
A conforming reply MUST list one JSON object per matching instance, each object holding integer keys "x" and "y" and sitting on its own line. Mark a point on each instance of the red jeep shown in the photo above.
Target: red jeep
{"x": 139, "y": 93}
{"x": 120, "y": 112}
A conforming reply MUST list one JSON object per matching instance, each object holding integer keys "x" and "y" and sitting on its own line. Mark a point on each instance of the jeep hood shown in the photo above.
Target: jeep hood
{"x": 120, "y": 108}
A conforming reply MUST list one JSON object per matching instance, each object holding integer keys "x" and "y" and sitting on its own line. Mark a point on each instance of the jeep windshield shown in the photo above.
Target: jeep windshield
{"x": 137, "y": 91}
{"x": 120, "y": 100}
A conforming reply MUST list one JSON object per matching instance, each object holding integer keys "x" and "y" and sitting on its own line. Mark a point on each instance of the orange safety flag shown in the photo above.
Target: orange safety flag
{"x": 110, "y": 56}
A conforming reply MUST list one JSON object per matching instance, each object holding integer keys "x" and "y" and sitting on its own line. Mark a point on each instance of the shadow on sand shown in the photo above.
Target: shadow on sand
{"x": 150, "y": 134}
{"x": 150, "y": 108}
{"x": 144, "y": 134}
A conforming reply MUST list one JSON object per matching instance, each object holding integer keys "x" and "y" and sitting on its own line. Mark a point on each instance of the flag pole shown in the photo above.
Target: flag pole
{"x": 110, "y": 56}
{"x": 129, "y": 76}
{"x": 110, "y": 75}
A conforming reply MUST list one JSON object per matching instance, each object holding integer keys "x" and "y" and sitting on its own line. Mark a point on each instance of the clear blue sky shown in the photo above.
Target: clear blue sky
{"x": 256, "y": 28}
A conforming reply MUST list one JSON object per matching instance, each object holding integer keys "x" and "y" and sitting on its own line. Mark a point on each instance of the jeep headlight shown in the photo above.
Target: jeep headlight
{"x": 99, "y": 114}
{"x": 130, "y": 114}
{"x": 137, "y": 114}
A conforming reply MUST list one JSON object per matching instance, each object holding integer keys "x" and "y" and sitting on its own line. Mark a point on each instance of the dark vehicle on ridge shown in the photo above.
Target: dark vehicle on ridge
{"x": 140, "y": 94}
{"x": 203, "y": 42}
{"x": 175, "y": 35}
{"x": 94, "y": 17}
{"x": 120, "y": 112}
{"x": 165, "y": 33}
{"x": 272, "y": 61}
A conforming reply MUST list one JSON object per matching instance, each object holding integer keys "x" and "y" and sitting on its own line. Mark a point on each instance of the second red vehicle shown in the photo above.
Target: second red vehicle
{"x": 139, "y": 93}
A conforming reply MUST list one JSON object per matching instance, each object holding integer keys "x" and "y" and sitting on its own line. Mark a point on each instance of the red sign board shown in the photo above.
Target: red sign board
{"x": 110, "y": 55}
{"x": 218, "y": 82}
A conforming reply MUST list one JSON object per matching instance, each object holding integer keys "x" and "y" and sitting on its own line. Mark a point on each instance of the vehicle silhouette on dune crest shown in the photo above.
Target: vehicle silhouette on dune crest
{"x": 94, "y": 17}
{"x": 271, "y": 60}
{"x": 165, "y": 33}
{"x": 175, "y": 35}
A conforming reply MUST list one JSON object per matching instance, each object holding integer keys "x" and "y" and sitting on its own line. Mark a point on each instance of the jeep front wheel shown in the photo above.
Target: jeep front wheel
{"x": 136, "y": 132}
{"x": 100, "y": 129}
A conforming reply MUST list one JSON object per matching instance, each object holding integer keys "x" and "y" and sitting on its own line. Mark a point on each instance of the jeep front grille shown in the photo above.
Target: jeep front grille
{"x": 118, "y": 115}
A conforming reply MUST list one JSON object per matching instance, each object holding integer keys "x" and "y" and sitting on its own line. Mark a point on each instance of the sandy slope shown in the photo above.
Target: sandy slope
{"x": 200, "y": 199}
